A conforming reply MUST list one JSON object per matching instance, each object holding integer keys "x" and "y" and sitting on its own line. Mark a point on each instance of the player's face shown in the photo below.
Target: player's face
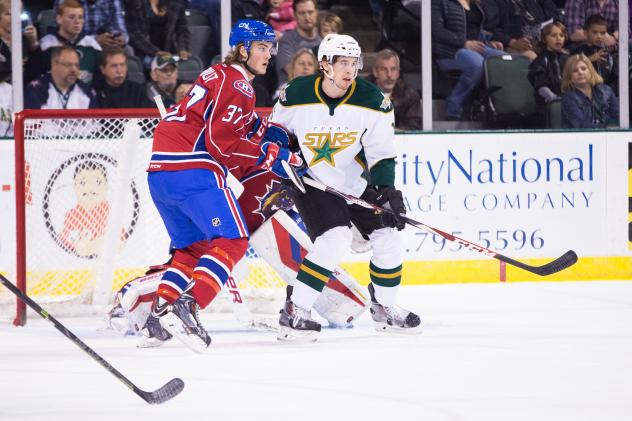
{"x": 386, "y": 73}
{"x": 306, "y": 16}
{"x": 260, "y": 55}
{"x": 115, "y": 70}
{"x": 91, "y": 187}
{"x": 65, "y": 69}
{"x": 345, "y": 71}
{"x": 71, "y": 21}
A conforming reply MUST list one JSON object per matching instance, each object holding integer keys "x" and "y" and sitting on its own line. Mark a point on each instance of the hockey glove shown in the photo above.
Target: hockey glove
{"x": 273, "y": 154}
{"x": 258, "y": 129}
{"x": 387, "y": 197}
{"x": 277, "y": 134}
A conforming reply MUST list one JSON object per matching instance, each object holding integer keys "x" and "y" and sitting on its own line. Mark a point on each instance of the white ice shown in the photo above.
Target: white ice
{"x": 521, "y": 351}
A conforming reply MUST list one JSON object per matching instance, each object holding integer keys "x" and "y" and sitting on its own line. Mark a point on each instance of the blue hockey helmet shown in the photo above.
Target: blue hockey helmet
{"x": 246, "y": 31}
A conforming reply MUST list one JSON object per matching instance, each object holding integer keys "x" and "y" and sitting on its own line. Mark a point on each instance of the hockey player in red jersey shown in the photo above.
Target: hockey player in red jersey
{"x": 213, "y": 130}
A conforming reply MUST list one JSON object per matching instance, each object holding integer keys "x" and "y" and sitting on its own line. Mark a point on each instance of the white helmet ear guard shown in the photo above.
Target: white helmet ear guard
{"x": 339, "y": 45}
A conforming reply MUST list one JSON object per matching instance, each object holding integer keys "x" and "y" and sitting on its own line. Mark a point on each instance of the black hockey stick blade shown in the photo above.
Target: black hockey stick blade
{"x": 163, "y": 394}
{"x": 294, "y": 177}
{"x": 171, "y": 389}
{"x": 564, "y": 261}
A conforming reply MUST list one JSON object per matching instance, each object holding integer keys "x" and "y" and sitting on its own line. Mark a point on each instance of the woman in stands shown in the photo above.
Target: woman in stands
{"x": 587, "y": 103}
{"x": 157, "y": 27}
{"x": 459, "y": 43}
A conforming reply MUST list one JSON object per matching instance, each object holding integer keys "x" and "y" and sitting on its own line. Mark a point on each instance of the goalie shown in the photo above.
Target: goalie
{"x": 278, "y": 238}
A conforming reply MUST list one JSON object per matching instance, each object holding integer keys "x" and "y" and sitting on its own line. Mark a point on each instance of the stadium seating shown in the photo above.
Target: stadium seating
{"x": 189, "y": 70}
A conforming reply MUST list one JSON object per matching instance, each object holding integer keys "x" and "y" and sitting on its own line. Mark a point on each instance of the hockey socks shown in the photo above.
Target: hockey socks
{"x": 385, "y": 283}
{"x": 312, "y": 279}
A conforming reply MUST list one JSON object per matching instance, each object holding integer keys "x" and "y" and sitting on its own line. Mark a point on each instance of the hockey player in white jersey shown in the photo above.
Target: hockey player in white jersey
{"x": 344, "y": 128}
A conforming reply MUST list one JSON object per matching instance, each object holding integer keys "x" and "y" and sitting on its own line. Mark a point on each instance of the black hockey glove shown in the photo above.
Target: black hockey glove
{"x": 390, "y": 198}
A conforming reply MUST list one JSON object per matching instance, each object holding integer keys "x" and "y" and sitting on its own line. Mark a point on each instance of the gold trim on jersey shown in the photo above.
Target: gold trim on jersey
{"x": 345, "y": 99}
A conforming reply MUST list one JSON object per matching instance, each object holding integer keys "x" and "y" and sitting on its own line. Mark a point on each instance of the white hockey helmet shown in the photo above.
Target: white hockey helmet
{"x": 339, "y": 45}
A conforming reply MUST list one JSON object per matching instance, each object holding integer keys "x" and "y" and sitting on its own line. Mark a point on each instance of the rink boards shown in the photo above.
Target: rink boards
{"x": 530, "y": 196}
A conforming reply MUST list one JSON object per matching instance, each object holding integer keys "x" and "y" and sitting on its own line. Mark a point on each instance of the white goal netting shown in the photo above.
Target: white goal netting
{"x": 90, "y": 223}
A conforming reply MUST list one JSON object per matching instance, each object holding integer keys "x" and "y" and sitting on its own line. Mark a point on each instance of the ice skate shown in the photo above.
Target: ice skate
{"x": 182, "y": 321}
{"x": 393, "y": 318}
{"x": 153, "y": 333}
{"x": 297, "y": 324}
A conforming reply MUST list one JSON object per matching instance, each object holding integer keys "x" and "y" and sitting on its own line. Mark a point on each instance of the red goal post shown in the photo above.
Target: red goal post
{"x": 85, "y": 223}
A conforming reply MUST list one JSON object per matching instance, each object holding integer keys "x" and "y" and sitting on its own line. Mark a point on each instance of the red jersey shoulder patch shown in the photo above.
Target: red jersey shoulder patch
{"x": 244, "y": 87}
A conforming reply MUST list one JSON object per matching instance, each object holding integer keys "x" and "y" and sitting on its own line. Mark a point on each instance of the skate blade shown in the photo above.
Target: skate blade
{"x": 386, "y": 328}
{"x": 172, "y": 324}
{"x": 287, "y": 334}
{"x": 149, "y": 343}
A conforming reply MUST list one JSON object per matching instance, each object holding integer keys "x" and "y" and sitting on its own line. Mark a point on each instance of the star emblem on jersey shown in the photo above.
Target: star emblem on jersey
{"x": 324, "y": 152}
{"x": 386, "y": 102}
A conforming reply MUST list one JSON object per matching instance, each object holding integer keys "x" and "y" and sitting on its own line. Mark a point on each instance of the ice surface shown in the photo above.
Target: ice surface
{"x": 524, "y": 351}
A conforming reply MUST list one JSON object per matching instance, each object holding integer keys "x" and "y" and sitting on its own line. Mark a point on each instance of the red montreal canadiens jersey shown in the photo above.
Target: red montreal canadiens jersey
{"x": 208, "y": 128}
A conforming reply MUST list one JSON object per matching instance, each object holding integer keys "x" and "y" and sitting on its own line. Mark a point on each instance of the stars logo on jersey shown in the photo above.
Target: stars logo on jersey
{"x": 386, "y": 102}
{"x": 282, "y": 94}
{"x": 327, "y": 142}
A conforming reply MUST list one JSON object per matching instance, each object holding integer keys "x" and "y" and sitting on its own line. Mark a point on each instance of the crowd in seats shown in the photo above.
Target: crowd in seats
{"x": 162, "y": 45}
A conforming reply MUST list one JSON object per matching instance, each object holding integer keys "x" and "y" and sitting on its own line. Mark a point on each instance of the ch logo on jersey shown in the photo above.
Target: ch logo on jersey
{"x": 244, "y": 87}
{"x": 325, "y": 145}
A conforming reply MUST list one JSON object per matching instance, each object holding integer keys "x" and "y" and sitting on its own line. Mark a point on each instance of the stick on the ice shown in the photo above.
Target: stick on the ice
{"x": 172, "y": 388}
{"x": 564, "y": 261}
{"x": 231, "y": 180}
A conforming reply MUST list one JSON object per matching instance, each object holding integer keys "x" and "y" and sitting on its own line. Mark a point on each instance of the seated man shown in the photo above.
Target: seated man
{"x": 70, "y": 18}
{"x": 60, "y": 88}
{"x": 113, "y": 89}
{"x": 164, "y": 76}
{"x": 406, "y": 101}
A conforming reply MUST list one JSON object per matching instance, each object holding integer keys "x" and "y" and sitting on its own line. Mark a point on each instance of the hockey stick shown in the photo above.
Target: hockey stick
{"x": 564, "y": 261}
{"x": 172, "y": 388}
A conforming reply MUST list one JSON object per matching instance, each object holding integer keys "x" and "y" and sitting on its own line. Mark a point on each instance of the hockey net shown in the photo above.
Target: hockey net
{"x": 85, "y": 220}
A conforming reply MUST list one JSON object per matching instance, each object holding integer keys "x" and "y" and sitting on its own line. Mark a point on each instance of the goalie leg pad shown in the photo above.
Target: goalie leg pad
{"x": 342, "y": 301}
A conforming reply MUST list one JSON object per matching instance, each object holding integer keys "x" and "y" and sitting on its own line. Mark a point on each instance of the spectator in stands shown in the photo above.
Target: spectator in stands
{"x": 103, "y": 19}
{"x": 157, "y": 27}
{"x": 594, "y": 47}
{"x": 248, "y": 9}
{"x": 329, "y": 23}
{"x": 303, "y": 63}
{"x": 60, "y": 88}
{"x": 280, "y": 16}
{"x": 406, "y": 101}
{"x": 31, "y": 51}
{"x": 305, "y": 35}
{"x": 587, "y": 102}
{"x": 70, "y": 32}
{"x": 516, "y": 23}
{"x": 577, "y": 11}
{"x": 164, "y": 76}
{"x": 545, "y": 72}
{"x": 112, "y": 88}
{"x": 459, "y": 43}
{"x": 182, "y": 90}
{"x": 6, "y": 101}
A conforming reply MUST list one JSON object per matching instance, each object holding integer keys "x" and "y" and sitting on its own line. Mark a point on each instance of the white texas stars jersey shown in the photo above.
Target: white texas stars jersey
{"x": 338, "y": 138}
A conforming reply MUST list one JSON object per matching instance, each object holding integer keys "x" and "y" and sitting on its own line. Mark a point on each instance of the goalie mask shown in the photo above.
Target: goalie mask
{"x": 339, "y": 45}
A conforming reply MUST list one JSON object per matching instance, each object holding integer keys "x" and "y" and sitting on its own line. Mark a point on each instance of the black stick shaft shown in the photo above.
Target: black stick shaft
{"x": 567, "y": 259}
{"x": 67, "y": 333}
